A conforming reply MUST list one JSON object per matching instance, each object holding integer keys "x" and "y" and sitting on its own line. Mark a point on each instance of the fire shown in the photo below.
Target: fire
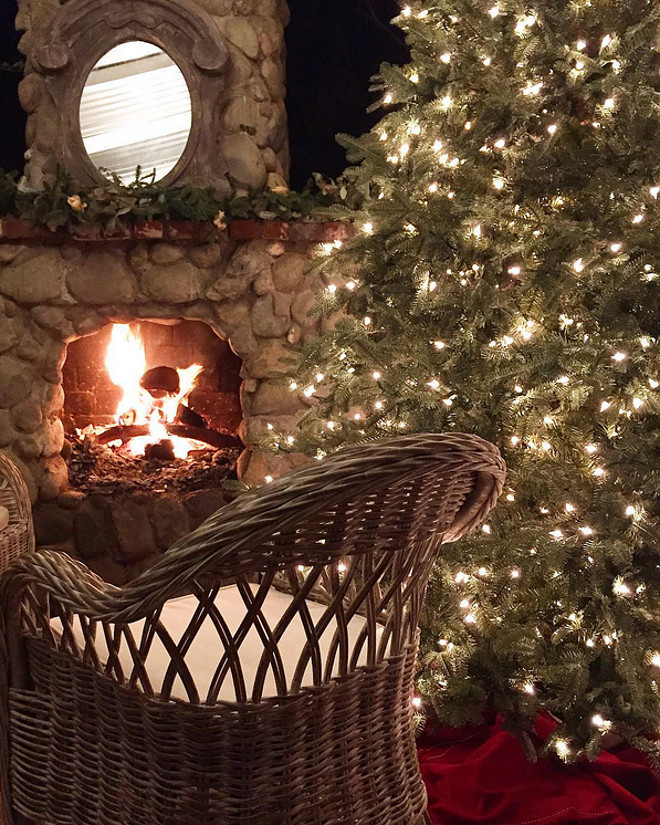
{"x": 126, "y": 362}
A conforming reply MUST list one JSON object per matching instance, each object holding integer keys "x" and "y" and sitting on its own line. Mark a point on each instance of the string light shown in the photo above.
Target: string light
{"x": 602, "y": 724}
{"x": 620, "y": 588}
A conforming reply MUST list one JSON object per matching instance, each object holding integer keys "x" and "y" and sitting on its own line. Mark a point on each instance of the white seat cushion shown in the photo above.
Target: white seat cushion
{"x": 205, "y": 652}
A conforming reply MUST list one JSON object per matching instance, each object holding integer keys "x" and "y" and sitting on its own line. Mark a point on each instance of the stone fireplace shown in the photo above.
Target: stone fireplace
{"x": 232, "y": 306}
{"x": 194, "y": 90}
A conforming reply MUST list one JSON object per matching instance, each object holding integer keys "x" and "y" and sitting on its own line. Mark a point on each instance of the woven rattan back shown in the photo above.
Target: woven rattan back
{"x": 18, "y": 536}
{"x": 355, "y": 534}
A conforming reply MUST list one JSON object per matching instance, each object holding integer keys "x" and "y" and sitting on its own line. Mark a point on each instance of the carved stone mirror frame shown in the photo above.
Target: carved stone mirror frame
{"x": 84, "y": 30}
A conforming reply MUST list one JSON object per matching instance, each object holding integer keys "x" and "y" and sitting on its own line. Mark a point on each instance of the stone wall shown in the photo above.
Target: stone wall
{"x": 255, "y": 293}
{"x": 241, "y": 138}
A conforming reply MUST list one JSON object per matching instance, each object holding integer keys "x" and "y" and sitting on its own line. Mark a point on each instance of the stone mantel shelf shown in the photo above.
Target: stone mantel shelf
{"x": 18, "y": 230}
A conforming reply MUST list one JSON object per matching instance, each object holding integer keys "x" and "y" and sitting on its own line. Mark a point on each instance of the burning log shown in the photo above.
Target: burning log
{"x": 211, "y": 437}
{"x": 161, "y": 451}
{"x": 161, "y": 381}
{"x": 184, "y": 415}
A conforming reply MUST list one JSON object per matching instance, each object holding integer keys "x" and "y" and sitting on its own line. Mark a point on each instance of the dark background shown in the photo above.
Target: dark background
{"x": 334, "y": 46}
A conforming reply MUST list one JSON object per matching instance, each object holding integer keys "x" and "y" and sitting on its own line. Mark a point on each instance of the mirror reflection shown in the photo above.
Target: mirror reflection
{"x": 135, "y": 110}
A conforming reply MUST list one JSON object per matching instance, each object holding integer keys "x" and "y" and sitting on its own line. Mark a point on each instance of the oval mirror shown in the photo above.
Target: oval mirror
{"x": 135, "y": 111}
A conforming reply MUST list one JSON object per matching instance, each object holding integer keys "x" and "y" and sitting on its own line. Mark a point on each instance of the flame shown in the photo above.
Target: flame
{"x": 126, "y": 363}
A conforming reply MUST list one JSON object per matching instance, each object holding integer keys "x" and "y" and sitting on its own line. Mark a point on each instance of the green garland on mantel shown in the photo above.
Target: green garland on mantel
{"x": 112, "y": 204}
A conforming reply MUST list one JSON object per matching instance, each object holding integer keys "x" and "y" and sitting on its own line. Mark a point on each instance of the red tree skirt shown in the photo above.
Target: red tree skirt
{"x": 480, "y": 776}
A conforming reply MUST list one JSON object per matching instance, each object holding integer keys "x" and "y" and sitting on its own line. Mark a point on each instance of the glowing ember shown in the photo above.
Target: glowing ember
{"x": 126, "y": 363}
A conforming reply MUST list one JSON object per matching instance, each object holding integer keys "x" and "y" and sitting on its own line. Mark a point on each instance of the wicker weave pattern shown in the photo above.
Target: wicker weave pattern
{"x": 18, "y": 537}
{"x": 187, "y": 764}
{"x": 364, "y": 526}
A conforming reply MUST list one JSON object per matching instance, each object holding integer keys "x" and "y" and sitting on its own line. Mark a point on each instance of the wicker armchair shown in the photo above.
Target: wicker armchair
{"x": 281, "y": 699}
{"x": 18, "y": 537}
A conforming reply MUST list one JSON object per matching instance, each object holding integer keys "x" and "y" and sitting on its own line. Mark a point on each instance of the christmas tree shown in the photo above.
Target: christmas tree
{"x": 503, "y": 282}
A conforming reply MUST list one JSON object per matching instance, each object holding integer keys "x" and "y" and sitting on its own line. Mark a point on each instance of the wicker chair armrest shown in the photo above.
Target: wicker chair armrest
{"x": 13, "y": 490}
{"x": 18, "y": 536}
{"x": 242, "y": 537}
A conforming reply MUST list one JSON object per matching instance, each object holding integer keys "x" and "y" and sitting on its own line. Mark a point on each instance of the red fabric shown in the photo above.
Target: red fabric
{"x": 480, "y": 776}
